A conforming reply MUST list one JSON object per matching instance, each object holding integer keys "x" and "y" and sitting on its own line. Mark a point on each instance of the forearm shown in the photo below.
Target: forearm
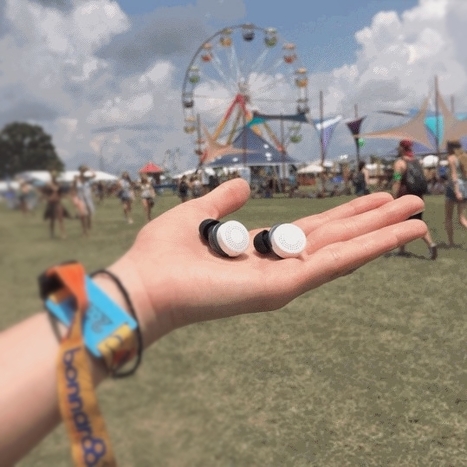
{"x": 28, "y": 360}
{"x": 28, "y": 399}
{"x": 395, "y": 188}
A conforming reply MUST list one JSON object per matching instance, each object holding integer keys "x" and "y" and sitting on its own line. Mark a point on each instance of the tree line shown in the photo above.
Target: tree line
{"x": 26, "y": 147}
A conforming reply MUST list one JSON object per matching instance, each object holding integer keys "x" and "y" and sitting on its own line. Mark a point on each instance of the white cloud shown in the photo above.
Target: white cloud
{"x": 54, "y": 72}
{"x": 399, "y": 57}
{"x": 160, "y": 74}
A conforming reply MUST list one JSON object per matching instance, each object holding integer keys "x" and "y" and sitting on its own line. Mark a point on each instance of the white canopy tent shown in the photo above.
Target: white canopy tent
{"x": 206, "y": 172}
{"x": 431, "y": 161}
{"x": 188, "y": 173}
{"x": 312, "y": 168}
{"x": 8, "y": 186}
{"x": 43, "y": 176}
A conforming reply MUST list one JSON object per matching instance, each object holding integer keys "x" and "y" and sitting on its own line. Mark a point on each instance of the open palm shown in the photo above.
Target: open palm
{"x": 185, "y": 281}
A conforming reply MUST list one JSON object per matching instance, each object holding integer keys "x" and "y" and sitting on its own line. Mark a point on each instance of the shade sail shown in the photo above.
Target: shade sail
{"x": 454, "y": 129}
{"x": 457, "y": 131}
{"x": 414, "y": 130}
{"x": 441, "y": 126}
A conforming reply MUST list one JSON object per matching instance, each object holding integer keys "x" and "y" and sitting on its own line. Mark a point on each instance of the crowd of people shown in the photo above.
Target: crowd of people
{"x": 78, "y": 199}
{"x": 193, "y": 187}
{"x": 85, "y": 191}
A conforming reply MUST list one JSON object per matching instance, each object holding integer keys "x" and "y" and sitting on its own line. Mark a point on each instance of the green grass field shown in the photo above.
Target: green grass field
{"x": 369, "y": 370}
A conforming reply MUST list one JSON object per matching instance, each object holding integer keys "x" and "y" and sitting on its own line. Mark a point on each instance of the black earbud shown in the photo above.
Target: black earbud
{"x": 230, "y": 238}
{"x": 285, "y": 240}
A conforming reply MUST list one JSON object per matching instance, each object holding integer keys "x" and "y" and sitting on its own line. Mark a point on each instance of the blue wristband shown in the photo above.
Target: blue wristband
{"x": 103, "y": 319}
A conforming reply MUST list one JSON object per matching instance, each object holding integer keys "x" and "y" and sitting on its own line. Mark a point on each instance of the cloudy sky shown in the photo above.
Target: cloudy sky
{"x": 105, "y": 77}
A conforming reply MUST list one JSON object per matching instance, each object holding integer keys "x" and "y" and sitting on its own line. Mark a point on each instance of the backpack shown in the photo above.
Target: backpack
{"x": 183, "y": 188}
{"x": 359, "y": 181}
{"x": 415, "y": 180}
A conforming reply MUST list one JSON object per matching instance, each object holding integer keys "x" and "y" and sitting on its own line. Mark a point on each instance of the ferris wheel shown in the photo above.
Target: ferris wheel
{"x": 239, "y": 77}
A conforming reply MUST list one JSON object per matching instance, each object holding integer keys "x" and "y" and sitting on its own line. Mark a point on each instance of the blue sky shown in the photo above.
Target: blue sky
{"x": 104, "y": 77}
{"x": 323, "y": 30}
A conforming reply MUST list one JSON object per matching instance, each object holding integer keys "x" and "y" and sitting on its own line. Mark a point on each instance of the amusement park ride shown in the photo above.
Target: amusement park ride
{"x": 245, "y": 80}
{"x": 244, "y": 77}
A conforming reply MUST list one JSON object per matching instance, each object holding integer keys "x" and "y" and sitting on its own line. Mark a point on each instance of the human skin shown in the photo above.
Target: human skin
{"x": 159, "y": 271}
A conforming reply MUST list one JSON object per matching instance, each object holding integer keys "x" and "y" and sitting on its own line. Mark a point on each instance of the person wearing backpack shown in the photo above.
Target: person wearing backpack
{"x": 409, "y": 179}
{"x": 183, "y": 188}
{"x": 361, "y": 180}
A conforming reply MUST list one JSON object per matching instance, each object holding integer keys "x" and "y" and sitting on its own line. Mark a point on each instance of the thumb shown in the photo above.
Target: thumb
{"x": 228, "y": 197}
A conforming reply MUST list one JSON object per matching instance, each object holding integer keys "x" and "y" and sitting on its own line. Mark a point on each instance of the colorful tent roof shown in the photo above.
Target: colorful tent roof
{"x": 151, "y": 168}
{"x": 253, "y": 150}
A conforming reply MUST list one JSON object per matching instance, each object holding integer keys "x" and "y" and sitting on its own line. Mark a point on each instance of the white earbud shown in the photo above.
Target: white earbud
{"x": 285, "y": 240}
{"x": 230, "y": 238}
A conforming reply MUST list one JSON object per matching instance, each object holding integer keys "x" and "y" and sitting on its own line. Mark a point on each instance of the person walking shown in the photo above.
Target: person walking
{"x": 362, "y": 180}
{"x": 82, "y": 197}
{"x": 147, "y": 194}
{"x": 196, "y": 186}
{"x": 25, "y": 191}
{"x": 54, "y": 209}
{"x": 183, "y": 188}
{"x": 456, "y": 189}
{"x": 126, "y": 195}
{"x": 408, "y": 178}
{"x": 100, "y": 190}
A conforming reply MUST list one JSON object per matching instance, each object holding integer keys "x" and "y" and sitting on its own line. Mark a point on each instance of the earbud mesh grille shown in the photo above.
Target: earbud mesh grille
{"x": 233, "y": 237}
{"x": 287, "y": 240}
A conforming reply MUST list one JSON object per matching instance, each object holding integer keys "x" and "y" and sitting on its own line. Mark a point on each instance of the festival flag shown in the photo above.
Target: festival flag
{"x": 326, "y": 128}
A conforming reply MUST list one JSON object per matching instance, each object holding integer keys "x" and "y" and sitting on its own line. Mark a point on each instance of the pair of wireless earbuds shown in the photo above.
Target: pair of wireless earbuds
{"x": 231, "y": 238}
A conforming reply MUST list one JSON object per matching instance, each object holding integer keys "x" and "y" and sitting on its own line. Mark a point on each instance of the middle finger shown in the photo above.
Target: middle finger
{"x": 339, "y": 230}
{"x": 351, "y": 208}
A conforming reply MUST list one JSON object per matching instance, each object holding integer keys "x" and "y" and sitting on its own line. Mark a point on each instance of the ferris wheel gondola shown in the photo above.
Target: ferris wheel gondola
{"x": 236, "y": 79}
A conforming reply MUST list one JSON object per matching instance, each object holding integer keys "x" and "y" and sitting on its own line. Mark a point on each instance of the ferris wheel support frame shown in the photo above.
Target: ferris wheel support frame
{"x": 241, "y": 99}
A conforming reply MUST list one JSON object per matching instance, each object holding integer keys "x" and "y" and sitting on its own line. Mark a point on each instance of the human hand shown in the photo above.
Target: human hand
{"x": 175, "y": 279}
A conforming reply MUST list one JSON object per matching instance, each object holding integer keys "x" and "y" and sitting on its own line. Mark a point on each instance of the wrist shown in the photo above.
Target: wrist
{"x": 152, "y": 324}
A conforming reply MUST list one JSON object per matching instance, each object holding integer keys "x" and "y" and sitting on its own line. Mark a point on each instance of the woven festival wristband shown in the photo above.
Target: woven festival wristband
{"x": 109, "y": 332}
{"x": 75, "y": 300}
{"x": 98, "y": 326}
